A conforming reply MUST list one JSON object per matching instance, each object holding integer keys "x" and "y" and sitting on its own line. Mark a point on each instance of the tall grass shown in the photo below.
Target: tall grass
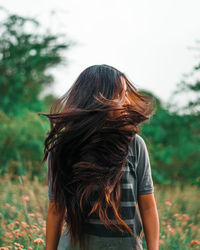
{"x": 24, "y": 205}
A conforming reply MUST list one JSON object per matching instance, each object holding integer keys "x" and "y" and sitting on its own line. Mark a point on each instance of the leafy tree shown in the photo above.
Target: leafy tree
{"x": 25, "y": 57}
{"x": 22, "y": 145}
{"x": 173, "y": 141}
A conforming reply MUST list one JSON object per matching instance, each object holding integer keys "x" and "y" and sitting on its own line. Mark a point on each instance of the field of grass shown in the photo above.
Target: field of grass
{"x": 24, "y": 206}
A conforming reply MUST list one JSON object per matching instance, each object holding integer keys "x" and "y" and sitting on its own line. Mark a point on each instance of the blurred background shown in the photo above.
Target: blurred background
{"x": 44, "y": 46}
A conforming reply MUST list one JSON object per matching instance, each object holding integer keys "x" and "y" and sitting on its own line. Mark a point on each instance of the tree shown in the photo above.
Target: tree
{"x": 25, "y": 57}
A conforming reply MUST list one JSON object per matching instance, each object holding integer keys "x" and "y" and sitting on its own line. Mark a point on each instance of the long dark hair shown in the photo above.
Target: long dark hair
{"x": 91, "y": 130}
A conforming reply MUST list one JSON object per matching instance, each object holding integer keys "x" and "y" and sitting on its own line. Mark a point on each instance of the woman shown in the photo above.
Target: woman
{"x": 98, "y": 166}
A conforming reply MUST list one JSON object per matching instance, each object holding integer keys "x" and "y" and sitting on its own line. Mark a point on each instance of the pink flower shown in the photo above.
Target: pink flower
{"x": 17, "y": 244}
{"x": 180, "y": 230}
{"x": 195, "y": 242}
{"x": 184, "y": 223}
{"x": 168, "y": 203}
{"x": 186, "y": 216}
{"x": 25, "y": 198}
{"x": 171, "y": 229}
{"x": 163, "y": 223}
{"x": 31, "y": 215}
{"x": 24, "y": 224}
{"x": 17, "y": 222}
{"x": 161, "y": 242}
{"x": 39, "y": 241}
{"x": 38, "y": 215}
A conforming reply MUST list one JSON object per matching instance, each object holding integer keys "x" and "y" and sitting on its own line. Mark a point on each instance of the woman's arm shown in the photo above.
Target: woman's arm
{"x": 54, "y": 225}
{"x": 150, "y": 220}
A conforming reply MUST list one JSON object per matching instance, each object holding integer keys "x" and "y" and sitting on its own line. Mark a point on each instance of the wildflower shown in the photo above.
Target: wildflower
{"x": 168, "y": 203}
{"x": 10, "y": 236}
{"x": 17, "y": 222}
{"x": 186, "y": 216}
{"x": 24, "y": 224}
{"x": 25, "y": 198}
{"x": 184, "y": 223}
{"x": 33, "y": 226}
{"x": 170, "y": 229}
{"x": 21, "y": 234}
{"x": 179, "y": 229}
{"x": 169, "y": 221}
{"x": 39, "y": 241}
{"x": 16, "y": 231}
{"x": 17, "y": 244}
{"x": 176, "y": 215}
{"x": 38, "y": 215}
{"x": 161, "y": 242}
{"x": 31, "y": 215}
{"x": 163, "y": 223}
{"x": 195, "y": 242}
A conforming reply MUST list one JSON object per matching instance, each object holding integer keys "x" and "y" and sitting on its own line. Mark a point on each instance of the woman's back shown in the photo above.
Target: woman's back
{"x": 136, "y": 179}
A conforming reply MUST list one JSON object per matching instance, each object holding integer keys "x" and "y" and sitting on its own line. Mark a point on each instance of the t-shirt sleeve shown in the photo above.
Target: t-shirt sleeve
{"x": 143, "y": 170}
{"x": 50, "y": 195}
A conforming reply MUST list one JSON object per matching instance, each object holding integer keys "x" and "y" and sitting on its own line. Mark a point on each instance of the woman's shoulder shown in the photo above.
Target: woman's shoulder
{"x": 138, "y": 139}
{"x": 138, "y": 145}
{"x": 138, "y": 142}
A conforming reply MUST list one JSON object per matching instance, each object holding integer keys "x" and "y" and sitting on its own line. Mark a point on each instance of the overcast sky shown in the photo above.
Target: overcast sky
{"x": 148, "y": 39}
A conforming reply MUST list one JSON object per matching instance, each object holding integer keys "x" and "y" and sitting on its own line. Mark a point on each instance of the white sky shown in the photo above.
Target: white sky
{"x": 148, "y": 39}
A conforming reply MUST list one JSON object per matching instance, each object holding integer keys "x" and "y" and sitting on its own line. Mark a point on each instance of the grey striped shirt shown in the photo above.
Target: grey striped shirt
{"x": 136, "y": 180}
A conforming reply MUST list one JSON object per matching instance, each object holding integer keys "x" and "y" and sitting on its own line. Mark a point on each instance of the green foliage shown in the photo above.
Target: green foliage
{"x": 25, "y": 57}
{"x": 22, "y": 144}
{"x": 173, "y": 143}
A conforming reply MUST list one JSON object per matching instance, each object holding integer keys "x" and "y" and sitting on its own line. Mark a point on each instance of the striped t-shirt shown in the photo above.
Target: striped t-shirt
{"x": 136, "y": 180}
